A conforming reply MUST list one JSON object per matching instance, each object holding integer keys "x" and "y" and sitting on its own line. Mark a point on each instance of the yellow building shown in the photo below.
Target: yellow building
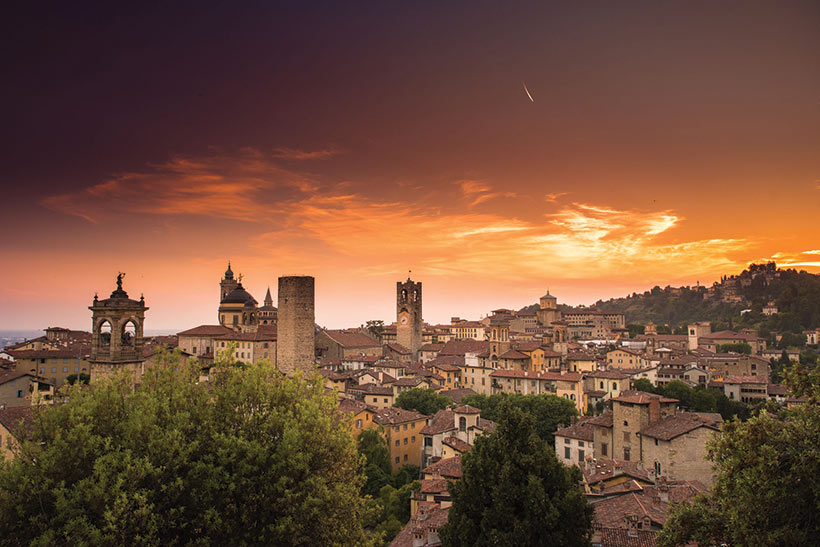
{"x": 477, "y": 378}
{"x": 362, "y": 416}
{"x": 472, "y": 330}
{"x": 402, "y": 430}
{"x": 13, "y": 422}
{"x": 623, "y": 358}
{"x": 568, "y": 385}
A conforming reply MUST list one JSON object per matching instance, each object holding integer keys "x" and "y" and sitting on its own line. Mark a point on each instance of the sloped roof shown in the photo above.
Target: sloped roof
{"x": 460, "y": 347}
{"x": 351, "y": 339}
{"x": 441, "y": 422}
{"x": 448, "y": 468}
{"x": 641, "y": 398}
{"x": 206, "y": 330}
{"x": 393, "y": 415}
{"x": 581, "y": 430}
{"x": 457, "y": 444}
{"x": 678, "y": 424}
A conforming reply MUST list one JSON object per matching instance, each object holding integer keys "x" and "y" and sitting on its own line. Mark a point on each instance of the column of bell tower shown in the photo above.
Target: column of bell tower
{"x": 408, "y": 316}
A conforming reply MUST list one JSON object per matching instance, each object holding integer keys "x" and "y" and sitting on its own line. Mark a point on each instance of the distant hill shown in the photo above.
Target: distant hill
{"x": 796, "y": 295}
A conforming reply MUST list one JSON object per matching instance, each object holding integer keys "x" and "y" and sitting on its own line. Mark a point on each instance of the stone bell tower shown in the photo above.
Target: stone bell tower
{"x": 117, "y": 334}
{"x": 408, "y": 316}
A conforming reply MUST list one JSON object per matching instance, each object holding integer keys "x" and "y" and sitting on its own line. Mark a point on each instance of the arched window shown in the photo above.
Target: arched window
{"x": 404, "y": 294}
{"x": 462, "y": 424}
{"x": 105, "y": 335}
{"x": 128, "y": 336}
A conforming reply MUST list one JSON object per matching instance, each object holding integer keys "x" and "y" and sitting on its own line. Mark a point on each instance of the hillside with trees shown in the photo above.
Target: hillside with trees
{"x": 734, "y": 302}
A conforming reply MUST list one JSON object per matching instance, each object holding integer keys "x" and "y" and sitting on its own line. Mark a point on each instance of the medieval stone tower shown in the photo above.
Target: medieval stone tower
{"x": 499, "y": 338}
{"x": 408, "y": 316}
{"x": 295, "y": 344}
{"x": 117, "y": 334}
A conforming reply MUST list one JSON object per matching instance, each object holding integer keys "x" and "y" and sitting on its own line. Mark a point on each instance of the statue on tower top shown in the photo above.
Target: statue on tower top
{"x": 119, "y": 280}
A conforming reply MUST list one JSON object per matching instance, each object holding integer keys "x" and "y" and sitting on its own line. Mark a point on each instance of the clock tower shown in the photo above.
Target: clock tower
{"x": 408, "y": 316}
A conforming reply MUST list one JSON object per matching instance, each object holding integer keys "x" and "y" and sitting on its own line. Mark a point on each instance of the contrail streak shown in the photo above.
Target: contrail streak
{"x": 527, "y": 91}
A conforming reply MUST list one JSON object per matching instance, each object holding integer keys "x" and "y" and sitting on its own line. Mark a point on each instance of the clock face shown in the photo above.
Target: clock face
{"x": 404, "y": 320}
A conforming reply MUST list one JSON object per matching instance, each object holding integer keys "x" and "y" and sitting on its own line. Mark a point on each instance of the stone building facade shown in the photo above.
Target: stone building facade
{"x": 408, "y": 316}
{"x": 295, "y": 346}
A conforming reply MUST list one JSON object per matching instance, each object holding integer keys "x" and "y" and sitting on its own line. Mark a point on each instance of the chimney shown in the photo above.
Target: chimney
{"x": 654, "y": 410}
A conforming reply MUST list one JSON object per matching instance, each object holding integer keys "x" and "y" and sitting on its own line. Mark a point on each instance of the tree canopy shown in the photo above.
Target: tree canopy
{"x": 767, "y": 489}
{"x": 514, "y": 491}
{"x": 423, "y": 400}
{"x": 251, "y": 457}
{"x": 549, "y": 411}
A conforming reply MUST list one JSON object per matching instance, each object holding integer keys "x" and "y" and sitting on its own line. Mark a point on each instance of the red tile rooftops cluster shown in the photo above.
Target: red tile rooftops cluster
{"x": 612, "y": 374}
{"x": 361, "y": 358}
{"x": 532, "y": 375}
{"x": 17, "y": 419}
{"x": 460, "y": 347}
{"x": 604, "y": 420}
{"x": 597, "y": 470}
{"x": 398, "y": 348}
{"x": 394, "y": 415}
{"x": 370, "y": 389}
{"x": 432, "y": 347}
{"x": 641, "y": 398}
{"x": 458, "y": 394}
{"x": 513, "y": 354}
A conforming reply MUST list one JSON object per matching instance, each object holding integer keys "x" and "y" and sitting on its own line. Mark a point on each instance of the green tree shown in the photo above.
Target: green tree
{"x": 82, "y": 377}
{"x": 373, "y": 447}
{"x": 767, "y": 489}
{"x": 514, "y": 491}
{"x": 251, "y": 457}
{"x": 643, "y": 384}
{"x": 375, "y": 327}
{"x": 736, "y": 347}
{"x": 423, "y": 400}
{"x": 549, "y": 411}
{"x": 635, "y": 329}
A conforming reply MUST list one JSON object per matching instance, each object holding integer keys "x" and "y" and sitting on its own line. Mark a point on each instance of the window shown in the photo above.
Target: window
{"x": 602, "y": 384}
{"x": 193, "y": 350}
{"x": 405, "y": 425}
{"x": 413, "y": 425}
{"x": 358, "y": 424}
{"x": 398, "y": 442}
{"x": 626, "y": 436}
{"x": 397, "y": 459}
{"x": 19, "y": 393}
{"x": 428, "y": 441}
{"x": 567, "y": 453}
{"x": 65, "y": 369}
{"x": 656, "y": 442}
{"x": 385, "y": 399}
{"x": 615, "y": 385}
{"x": 413, "y": 439}
{"x": 626, "y": 453}
{"x": 604, "y": 449}
{"x": 405, "y": 457}
{"x": 566, "y": 441}
{"x": 657, "y": 468}
{"x": 53, "y": 369}
{"x": 405, "y": 440}
{"x": 396, "y": 429}
{"x": 462, "y": 424}
{"x": 581, "y": 444}
{"x": 626, "y": 423}
{"x": 581, "y": 456}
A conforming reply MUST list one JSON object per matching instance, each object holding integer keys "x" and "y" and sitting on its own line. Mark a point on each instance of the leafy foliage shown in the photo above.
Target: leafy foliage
{"x": 549, "y": 411}
{"x": 735, "y": 347}
{"x": 697, "y": 399}
{"x": 252, "y": 457}
{"x": 82, "y": 377}
{"x": 767, "y": 490}
{"x": 514, "y": 491}
{"x": 426, "y": 401}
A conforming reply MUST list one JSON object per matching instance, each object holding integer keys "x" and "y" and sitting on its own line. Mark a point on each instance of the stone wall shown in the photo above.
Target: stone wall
{"x": 296, "y": 336}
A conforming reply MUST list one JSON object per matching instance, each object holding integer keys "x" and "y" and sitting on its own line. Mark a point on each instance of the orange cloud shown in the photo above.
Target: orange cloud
{"x": 297, "y": 154}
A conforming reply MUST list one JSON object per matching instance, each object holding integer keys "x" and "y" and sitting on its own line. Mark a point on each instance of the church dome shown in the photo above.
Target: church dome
{"x": 229, "y": 272}
{"x": 238, "y": 296}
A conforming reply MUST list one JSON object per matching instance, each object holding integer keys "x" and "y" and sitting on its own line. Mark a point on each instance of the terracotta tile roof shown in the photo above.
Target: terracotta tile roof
{"x": 599, "y": 470}
{"x": 487, "y": 426}
{"x": 457, "y": 444}
{"x": 641, "y": 398}
{"x": 424, "y": 523}
{"x": 432, "y": 347}
{"x": 433, "y": 486}
{"x": 578, "y": 356}
{"x": 513, "y": 354}
{"x": 604, "y": 420}
{"x": 678, "y": 424}
{"x": 57, "y": 353}
{"x": 730, "y": 335}
{"x": 456, "y": 360}
{"x": 449, "y": 468}
{"x": 460, "y": 347}
{"x": 393, "y": 415}
{"x": 595, "y": 394}
{"x": 457, "y": 394}
{"x": 411, "y": 381}
{"x": 614, "y": 512}
{"x": 361, "y": 358}
{"x": 441, "y": 422}
{"x": 467, "y": 409}
{"x": 777, "y": 389}
{"x": 446, "y": 367}
{"x": 398, "y": 348}
{"x": 581, "y": 430}
{"x": 351, "y": 339}
{"x": 745, "y": 380}
{"x": 619, "y": 537}
{"x": 9, "y": 375}
{"x": 206, "y": 330}
{"x": 17, "y": 420}
{"x": 370, "y": 389}
{"x": 352, "y": 406}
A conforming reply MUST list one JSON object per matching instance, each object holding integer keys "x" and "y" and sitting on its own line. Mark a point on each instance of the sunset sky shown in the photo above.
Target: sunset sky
{"x": 665, "y": 143}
